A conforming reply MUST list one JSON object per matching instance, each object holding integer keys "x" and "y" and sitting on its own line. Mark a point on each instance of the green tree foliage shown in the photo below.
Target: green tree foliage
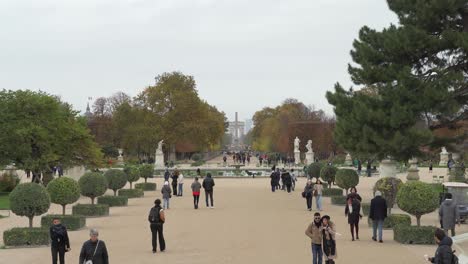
{"x": 417, "y": 198}
{"x": 63, "y": 191}
{"x": 313, "y": 170}
{"x": 346, "y": 178}
{"x": 8, "y": 181}
{"x": 146, "y": 171}
{"x": 40, "y": 131}
{"x": 414, "y": 79}
{"x": 389, "y": 187}
{"x": 328, "y": 173}
{"x": 29, "y": 199}
{"x": 116, "y": 179}
{"x": 92, "y": 185}
{"x": 133, "y": 174}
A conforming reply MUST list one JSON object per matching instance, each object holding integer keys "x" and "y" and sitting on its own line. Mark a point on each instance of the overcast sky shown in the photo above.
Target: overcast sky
{"x": 244, "y": 54}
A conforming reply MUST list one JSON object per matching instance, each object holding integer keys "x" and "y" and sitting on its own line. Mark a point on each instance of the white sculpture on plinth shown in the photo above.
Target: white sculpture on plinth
{"x": 348, "y": 160}
{"x": 310, "y": 156}
{"x": 120, "y": 159}
{"x": 444, "y": 157}
{"x": 297, "y": 152}
{"x": 159, "y": 157}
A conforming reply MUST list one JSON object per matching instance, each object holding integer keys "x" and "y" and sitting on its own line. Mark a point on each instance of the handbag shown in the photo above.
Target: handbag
{"x": 91, "y": 261}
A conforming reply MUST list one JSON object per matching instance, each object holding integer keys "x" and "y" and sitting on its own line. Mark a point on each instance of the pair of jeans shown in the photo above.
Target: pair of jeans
{"x": 318, "y": 202}
{"x": 166, "y": 203}
{"x": 60, "y": 251}
{"x": 181, "y": 189}
{"x": 273, "y": 188}
{"x": 157, "y": 231}
{"x": 317, "y": 254}
{"x": 196, "y": 198}
{"x": 452, "y": 230}
{"x": 309, "y": 201}
{"x": 377, "y": 225}
{"x": 210, "y": 195}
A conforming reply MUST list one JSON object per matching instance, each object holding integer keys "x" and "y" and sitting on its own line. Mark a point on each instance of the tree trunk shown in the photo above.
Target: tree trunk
{"x": 346, "y": 192}
{"x": 329, "y": 184}
{"x": 63, "y": 209}
{"x": 465, "y": 20}
{"x": 115, "y": 192}
{"x": 31, "y": 221}
{"x": 418, "y": 220}
{"x": 130, "y": 185}
{"x": 146, "y": 180}
{"x": 92, "y": 200}
{"x": 389, "y": 210}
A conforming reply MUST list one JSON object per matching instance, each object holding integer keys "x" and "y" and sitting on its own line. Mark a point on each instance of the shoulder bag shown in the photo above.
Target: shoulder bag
{"x": 95, "y": 250}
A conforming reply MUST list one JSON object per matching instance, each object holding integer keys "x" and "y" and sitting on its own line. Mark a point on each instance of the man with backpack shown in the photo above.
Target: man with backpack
{"x": 157, "y": 218}
{"x": 60, "y": 242}
{"x": 444, "y": 253}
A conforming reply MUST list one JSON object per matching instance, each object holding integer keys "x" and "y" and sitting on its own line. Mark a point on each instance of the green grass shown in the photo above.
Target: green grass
{"x": 4, "y": 202}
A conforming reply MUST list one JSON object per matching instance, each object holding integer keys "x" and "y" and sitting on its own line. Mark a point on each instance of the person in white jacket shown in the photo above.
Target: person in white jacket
{"x": 180, "y": 181}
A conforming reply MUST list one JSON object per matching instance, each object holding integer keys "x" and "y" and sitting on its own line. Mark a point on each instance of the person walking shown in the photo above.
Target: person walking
{"x": 273, "y": 181}
{"x": 175, "y": 177}
{"x": 196, "y": 187}
{"x": 314, "y": 232}
{"x": 166, "y": 194}
{"x": 278, "y": 179}
{"x": 167, "y": 175}
{"x": 378, "y": 213}
{"x": 354, "y": 194}
{"x": 444, "y": 253}
{"x": 353, "y": 212}
{"x": 294, "y": 179}
{"x": 430, "y": 166}
{"x": 329, "y": 242}
{"x": 287, "y": 181}
{"x": 180, "y": 181}
{"x": 359, "y": 167}
{"x": 369, "y": 167}
{"x": 94, "y": 250}
{"x": 318, "y": 189}
{"x": 60, "y": 242}
{"x": 282, "y": 175}
{"x": 157, "y": 218}
{"x": 307, "y": 194}
{"x": 449, "y": 215}
{"x": 208, "y": 184}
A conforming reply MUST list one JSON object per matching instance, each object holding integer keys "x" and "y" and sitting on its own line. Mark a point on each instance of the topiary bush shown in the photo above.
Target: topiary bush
{"x": 131, "y": 193}
{"x": 26, "y": 237}
{"x": 93, "y": 210}
{"x": 418, "y": 235}
{"x": 327, "y": 173}
{"x": 146, "y": 186}
{"x": 397, "y": 219}
{"x": 346, "y": 178}
{"x": 197, "y": 157}
{"x": 457, "y": 174}
{"x": 389, "y": 187}
{"x": 332, "y": 192}
{"x": 133, "y": 174}
{"x": 313, "y": 170}
{"x": 146, "y": 171}
{"x": 63, "y": 191}
{"x": 92, "y": 185}
{"x": 116, "y": 179}
{"x": 72, "y": 222}
{"x": 417, "y": 198}
{"x": 338, "y": 200}
{"x": 365, "y": 208}
{"x": 113, "y": 201}
{"x": 8, "y": 181}
{"x": 29, "y": 199}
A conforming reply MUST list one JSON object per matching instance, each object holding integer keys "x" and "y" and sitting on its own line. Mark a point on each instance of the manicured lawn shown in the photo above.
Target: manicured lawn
{"x": 4, "y": 202}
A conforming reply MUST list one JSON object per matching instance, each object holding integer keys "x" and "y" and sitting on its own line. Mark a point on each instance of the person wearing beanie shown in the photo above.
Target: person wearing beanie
{"x": 378, "y": 213}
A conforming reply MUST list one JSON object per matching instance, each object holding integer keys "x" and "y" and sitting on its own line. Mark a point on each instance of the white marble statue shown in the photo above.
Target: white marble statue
{"x": 309, "y": 147}
{"x": 297, "y": 141}
{"x": 310, "y": 156}
{"x": 159, "y": 157}
{"x": 444, "y": 150}
{"x": 444, "y": 157}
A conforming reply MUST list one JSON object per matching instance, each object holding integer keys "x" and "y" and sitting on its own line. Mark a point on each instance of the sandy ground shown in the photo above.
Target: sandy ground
{"x": 249, "y": 225}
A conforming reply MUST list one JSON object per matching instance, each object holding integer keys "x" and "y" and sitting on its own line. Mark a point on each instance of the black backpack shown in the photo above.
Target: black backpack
{"x": 454, "y": 258}
{"x": 154, "y": 216}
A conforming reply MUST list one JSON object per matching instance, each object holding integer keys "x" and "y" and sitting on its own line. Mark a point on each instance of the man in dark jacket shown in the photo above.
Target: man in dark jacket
{"x": 60, "y": 242}
{"x": 208, "y": 184}
{"x": 287, "y": 180}
{"x": 94, "y": 249}
{"x": 175, "y": 177}
{"x": 157, "y": 218}
{"x": 444, "y": 253}
{"x": 449, "y": 215}
{"x": 378, "y": 213}
{"x": 167, "y": 175}
{"x": 273, "y": 181}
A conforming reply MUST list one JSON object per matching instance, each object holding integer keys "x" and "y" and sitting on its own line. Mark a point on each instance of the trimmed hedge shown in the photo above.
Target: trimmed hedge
{"x": 91, "y": 209}
{"x": 338, "y": 200}
{"x": 146, "y": 186}
{"x": 72, "y": 222}
{"x": 113, "y": 201}
{"x": 26, "y": 237}
{"x": 393, "y": 220}
{"x": 418, "y": 235}
{"x": 332, "y": 192}
{"x": 365, "y": 208}
{"x": 131, "y": 193}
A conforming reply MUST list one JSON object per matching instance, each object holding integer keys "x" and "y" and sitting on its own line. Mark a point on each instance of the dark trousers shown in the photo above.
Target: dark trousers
{"x": 174, "y": 188}
{"x": 354, "y": 226}
{"x": 196, "y": 199}
{"x": 60, "y": 251}
{"x": 309, "y": 201}
{"x": 288, "y": 188}
{"x": 273, "y": 188}
{"x": 210, "y": 194}
{"x": 157, "y": 231}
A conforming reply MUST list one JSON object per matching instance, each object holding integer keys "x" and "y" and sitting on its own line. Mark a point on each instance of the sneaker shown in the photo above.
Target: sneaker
{"x": 154, "y": 251}
{"x": 375, "y": 239}
{"x": 380, "y": 241}
{"x": 212, "y": 207}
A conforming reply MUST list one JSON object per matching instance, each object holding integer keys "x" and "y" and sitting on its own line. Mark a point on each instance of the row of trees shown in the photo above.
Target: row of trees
{"x": 171, "y": 110}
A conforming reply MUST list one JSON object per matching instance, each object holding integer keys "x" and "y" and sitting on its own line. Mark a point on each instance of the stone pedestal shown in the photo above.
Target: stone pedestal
{"x": 297, "y": 157}
{"x": 348, "y": 160}
{"x": 388, "y": 168}
{"x": 413, "y": 171}
{"x": 159, "y": 160}
{"x": 310, "y": 157}
{"x": 444, "y": 157}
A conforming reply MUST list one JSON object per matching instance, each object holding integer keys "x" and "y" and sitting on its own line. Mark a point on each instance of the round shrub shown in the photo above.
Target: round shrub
{"x": 146, "y": 186}
{"x": 313, "y": 170}
{"x": 332, "y": 192}
{"x": 91, "y": 210}
{"x": 389, "y": 187}
{"x": 92, "y": 185}
{"x": 133, "y": 174}
{"x": 365, "y": 208}
{"x": 26, "y": 237}
{"x": 146, "y": 171}
{"x": 131, "y": 193}
{"x": 417, "y": 235}
{"x": 113, "y": 201}
{"x": 29, "y": 199}
{"x": 116, "y": 179}
{"x": 8, "y": 181}
{"x": 338, "y": 200}
{"x": 63, "y": 191}
{"x": 397, "y": 219}
{"x": 417, "y": 198}
{"x": 346, "y": 178}
{"x": 327, "y": 173}
{"x": 72, "y": 222}
{"x": 197, "y": 157}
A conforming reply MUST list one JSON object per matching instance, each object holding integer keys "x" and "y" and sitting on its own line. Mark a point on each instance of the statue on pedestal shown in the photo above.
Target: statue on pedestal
{"x": 444, "y": 157}
{"x": 297, "y": 152}
{"x": 310, "y": 156}
{"x": 159, "y": 157}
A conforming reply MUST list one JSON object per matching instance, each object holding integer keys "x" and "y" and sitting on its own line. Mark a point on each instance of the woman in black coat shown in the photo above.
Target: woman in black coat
{"x": 353, "y": 212}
